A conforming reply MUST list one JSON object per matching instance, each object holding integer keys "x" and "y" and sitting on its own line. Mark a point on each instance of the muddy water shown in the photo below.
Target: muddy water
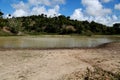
{"x": 54, "y": 42}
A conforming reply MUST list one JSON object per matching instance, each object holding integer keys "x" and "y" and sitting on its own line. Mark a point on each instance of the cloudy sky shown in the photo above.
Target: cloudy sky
{"x": 103, "y": 11}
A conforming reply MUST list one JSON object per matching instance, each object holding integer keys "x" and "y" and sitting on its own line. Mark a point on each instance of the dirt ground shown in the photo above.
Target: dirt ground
{"x": 59, "y": 64}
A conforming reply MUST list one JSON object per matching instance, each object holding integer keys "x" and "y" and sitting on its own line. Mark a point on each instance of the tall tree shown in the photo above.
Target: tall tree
{"x": 116, "y": 27}
{"x": 1, "y": 14}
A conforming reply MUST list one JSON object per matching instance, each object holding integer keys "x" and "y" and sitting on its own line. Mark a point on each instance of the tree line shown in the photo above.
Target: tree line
{"x": 41, "y": 24}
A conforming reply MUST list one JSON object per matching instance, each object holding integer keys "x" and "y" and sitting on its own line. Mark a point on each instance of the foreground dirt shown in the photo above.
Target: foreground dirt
{"x": 61, "y": 64}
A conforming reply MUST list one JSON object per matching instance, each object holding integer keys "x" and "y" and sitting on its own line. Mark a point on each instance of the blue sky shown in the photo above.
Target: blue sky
{"x": 103, "y": 11}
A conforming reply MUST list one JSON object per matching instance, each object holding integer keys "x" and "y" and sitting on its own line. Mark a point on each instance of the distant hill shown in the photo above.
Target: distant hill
{"x": 41, "y": 24}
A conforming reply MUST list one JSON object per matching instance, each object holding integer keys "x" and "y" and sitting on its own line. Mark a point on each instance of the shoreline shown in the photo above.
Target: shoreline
{"x": 61, "y": 64}
{"x": 63, "y": 48}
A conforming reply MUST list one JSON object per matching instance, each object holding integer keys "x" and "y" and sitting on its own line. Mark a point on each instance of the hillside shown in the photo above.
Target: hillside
{"x": 41, "y": 24}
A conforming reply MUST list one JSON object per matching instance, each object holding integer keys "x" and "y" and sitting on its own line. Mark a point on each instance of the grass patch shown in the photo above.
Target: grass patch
{"x": 2, "y": 33}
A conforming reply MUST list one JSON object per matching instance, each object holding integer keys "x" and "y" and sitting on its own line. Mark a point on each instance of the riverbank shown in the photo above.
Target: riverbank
{"x": 102, "y": 62}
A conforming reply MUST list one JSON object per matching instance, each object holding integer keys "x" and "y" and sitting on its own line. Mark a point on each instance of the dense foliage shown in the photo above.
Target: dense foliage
{"x": 41, "y": 24}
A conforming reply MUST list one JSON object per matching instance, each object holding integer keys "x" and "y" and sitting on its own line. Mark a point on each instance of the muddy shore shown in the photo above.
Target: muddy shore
{"x": 102, "y": 62}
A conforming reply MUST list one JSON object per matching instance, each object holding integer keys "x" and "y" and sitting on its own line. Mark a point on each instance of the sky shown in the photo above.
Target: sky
{"x": 106, "y": 12}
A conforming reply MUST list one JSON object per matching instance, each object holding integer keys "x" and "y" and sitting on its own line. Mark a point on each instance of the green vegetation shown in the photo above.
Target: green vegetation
{"x": 2, "y": 33}
{"x": 41, "y": 24}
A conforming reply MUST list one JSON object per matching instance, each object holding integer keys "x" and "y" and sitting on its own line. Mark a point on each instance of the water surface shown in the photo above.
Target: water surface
{"x": 54, "y": 42}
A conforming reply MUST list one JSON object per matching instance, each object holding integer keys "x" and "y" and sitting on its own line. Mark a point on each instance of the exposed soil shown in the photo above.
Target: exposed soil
{"x": 61, "y": 64}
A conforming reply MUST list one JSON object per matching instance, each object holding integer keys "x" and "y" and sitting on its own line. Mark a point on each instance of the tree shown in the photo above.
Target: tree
{"x": 57, "y": 24}
{"x": 50, "y": 29}
{"x": 67, "y": 29}
{"x": 1, "y": 14}
{"x": 3, "y": 22}
{"x": 116, "y": 27}
{"x": 14, "y": 24}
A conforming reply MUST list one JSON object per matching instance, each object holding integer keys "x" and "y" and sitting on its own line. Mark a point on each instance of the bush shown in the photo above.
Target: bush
{"x": 87, "y": 33}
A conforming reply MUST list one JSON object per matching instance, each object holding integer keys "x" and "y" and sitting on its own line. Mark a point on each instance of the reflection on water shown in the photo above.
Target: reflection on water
{"x": 53, "y": 42}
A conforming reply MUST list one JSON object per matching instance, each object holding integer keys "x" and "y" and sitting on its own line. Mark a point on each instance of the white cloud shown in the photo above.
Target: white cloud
{"x": 78, "y": 14}
{"x": 20, "y": 12}
{"x": 38, "y": 10}
{"x": 95, "y": 11}
{"x": 21, "y": 9}
{"x": 117, "y": 6}
{"x": 37, "y": 7}
{"x": 37, "y": 2}
{"x": 20, "y": 5}
{"x": 46, "y": 2}
{"x": 7, "y": 16}
{"x": 53, "y": 12}
{"x": 114, "y": 17}
{"x": 42, "y": 10}
{"x": 95, "y": 8}
{"x": 106, "y": 20}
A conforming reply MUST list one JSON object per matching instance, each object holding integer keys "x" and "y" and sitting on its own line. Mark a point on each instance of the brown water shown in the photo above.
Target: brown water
{"x": 54, "y": 42}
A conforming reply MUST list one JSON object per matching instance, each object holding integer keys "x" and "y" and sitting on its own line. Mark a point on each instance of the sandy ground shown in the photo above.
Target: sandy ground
{"x": 59, "y": 64}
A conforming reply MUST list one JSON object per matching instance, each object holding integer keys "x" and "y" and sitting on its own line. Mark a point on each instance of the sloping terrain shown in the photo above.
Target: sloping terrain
{"x": 61, "y": 64}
